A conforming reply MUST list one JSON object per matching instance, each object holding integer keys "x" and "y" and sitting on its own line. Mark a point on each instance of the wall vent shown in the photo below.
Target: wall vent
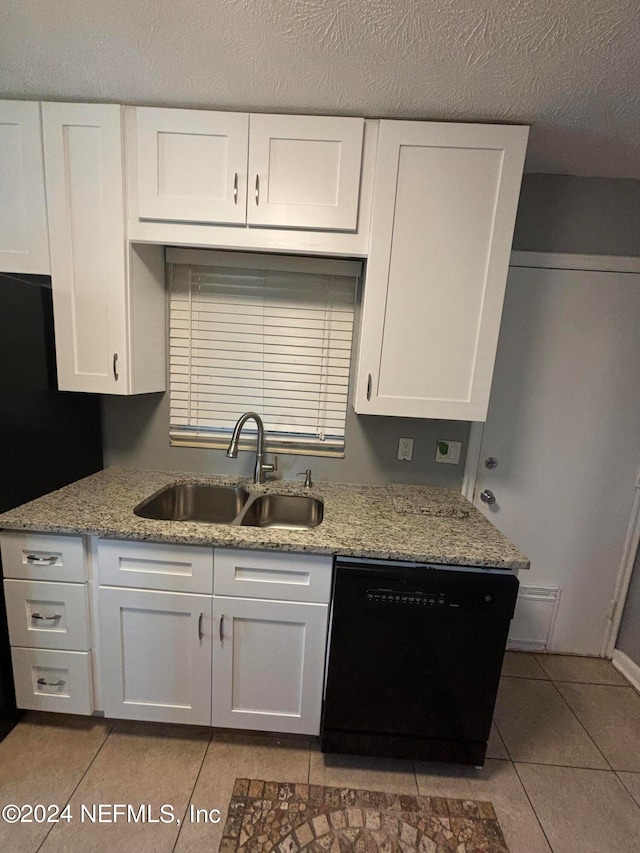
{"x": 534, "y": 618}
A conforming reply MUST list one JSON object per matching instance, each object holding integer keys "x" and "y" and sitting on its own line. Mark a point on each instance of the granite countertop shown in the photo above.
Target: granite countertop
{"x": 402, "y": 522}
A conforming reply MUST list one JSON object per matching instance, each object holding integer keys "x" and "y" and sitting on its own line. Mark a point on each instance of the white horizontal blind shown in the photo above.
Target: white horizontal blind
{"x": 273, "y": 337}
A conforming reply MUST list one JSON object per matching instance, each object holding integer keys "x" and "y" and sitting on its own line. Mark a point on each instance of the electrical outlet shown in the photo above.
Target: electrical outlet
{"x": 405, "y": 449}
{"x": 448, "y": 451}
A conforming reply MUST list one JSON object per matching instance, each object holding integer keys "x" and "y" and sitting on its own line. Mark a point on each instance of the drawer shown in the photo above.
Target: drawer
{"x": 47, "y": 680}
{"x": 268, "y": 574}
{"x": 47, "y": 615}
{"x": 43, "y": 556}
{"x": 155, "y": 565}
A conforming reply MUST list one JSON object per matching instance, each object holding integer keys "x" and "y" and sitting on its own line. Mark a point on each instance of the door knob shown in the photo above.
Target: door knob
{"x": 487, "y": 497}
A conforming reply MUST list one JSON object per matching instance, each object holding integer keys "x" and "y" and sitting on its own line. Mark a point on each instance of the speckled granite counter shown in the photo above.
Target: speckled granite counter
{"x": 415, "y": 523}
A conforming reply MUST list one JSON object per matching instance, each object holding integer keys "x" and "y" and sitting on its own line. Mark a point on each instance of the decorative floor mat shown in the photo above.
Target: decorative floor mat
{"x": 287, "y": 818}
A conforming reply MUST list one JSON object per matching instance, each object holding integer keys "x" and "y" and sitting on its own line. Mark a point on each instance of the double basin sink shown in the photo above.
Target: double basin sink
{"x": 232, "y": 505}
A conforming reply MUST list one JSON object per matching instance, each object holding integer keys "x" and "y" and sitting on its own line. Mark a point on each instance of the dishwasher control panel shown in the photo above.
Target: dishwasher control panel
{"x": 408, "y": 599}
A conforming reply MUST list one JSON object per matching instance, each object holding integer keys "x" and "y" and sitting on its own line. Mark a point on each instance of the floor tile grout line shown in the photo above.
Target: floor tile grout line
{"x": 88, "y": 767}
{"x": 589, "y": 683}
{"x": 580, "y": 723}
{"x": 504, "y": 743}
{"x": 617, "y": 772}
{"x": 584, "y": 728}
{"x": 533, "y": 808}
{"x": 539, "y": 763}
{"x": 182, "y": 820}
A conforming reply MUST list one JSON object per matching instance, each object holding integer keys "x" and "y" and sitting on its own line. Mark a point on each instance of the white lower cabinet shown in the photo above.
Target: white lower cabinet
{"x": 48, "y": 613}
{"x": 250, "y": 656}
{"x": 268, "y": 664}
{"x": 48, "y": 680}
{"x": 156, "y": 655}
{"x": 228, "y": 637}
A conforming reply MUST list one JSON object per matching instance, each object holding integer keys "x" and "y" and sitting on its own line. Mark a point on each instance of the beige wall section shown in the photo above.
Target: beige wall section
{"x": 136, "y": 435}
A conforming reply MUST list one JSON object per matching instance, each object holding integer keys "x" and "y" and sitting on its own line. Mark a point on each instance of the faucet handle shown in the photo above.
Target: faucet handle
{"x": 270, "y": 466}
{"x": 308, "y": 482}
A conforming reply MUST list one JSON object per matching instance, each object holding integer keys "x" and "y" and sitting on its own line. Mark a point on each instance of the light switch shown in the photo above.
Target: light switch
{"x": 448, "y": 451}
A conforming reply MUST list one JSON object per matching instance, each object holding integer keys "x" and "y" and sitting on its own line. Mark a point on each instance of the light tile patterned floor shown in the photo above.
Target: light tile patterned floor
{"x": 563, "y": 770}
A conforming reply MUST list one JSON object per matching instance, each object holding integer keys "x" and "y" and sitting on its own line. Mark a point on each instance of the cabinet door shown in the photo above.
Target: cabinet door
{"x": 192, "y": 165}
{"x": 156, "y": 655}
{"x": 24, "y": 239}
{"x": 445, "y": 198}
{"x": 268, "y": 664}
{"x": 304, "y": 171}
{"x": 85, "y": 184}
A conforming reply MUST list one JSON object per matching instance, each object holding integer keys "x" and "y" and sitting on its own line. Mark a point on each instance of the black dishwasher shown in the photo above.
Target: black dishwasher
{"x": 414, "y": 659}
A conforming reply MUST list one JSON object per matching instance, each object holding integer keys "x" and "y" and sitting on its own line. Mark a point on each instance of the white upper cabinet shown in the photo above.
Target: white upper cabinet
{"x": 97, "y": 315}
{"x": 444, "y": 207}
{"x": 192, "y": 165}
{"x": 24, "y": 242}
{"x": 231, "y": 168}
{"x": 304, "y": 171}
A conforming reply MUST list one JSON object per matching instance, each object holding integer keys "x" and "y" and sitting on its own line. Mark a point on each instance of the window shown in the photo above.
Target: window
{"x": 265, "y": 333}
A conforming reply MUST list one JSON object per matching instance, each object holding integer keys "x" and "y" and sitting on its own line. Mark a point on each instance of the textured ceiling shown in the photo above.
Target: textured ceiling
{"x": 571, "y": 68}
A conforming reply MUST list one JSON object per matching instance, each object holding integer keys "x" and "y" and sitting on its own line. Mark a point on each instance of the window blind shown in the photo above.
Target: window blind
{"x": 264, "y": 333}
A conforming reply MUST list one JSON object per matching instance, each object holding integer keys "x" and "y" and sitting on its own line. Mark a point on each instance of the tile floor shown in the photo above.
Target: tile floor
{"x": 563, "y": 771}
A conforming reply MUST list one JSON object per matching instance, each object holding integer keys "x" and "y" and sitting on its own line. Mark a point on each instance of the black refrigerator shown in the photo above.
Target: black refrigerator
{"x": 48, "y": 438}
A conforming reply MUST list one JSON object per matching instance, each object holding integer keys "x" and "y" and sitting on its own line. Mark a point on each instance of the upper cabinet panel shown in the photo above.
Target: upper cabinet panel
{"x": 24, "y": 241}
{"x": 304, "y": 171}
{"x": 445, "y": 198}
{"x": 110, "y": 333}
{"x": 192, "y": 165}
{"x": 217, "y": 168}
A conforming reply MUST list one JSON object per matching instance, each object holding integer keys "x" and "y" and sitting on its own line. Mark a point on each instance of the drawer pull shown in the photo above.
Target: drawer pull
{"x": 51, "y": 618}
{"x": 221, "y": 629}
{"x": 257, "y": 189}
{"x": 200, "y": 635}
{"x": 235, "y": 189}
{"x": 41, "y": 561}
{"x": 46, "y": 683}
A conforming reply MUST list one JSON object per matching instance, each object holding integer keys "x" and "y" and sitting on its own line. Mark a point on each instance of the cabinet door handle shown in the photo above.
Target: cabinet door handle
{"x": 369, "y": 388}
{"x": 51, "y": 618}
{"x": 257, "y": 189}
{"x": 221, "y": 628}
{"x": 235, "y": 189}
{"x": 46, "y": 683}
{"x": 115, "y": 366}
{"x": 41, "y": 561}
{"x": 200, "y": 626}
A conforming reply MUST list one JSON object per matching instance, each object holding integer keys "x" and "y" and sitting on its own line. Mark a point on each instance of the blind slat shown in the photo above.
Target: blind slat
{"x": 274, "y": 341}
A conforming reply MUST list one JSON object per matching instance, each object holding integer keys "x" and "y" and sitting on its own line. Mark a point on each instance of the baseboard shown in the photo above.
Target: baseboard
{"x": 526, "y": 646}
{"x": 627, "y": 667}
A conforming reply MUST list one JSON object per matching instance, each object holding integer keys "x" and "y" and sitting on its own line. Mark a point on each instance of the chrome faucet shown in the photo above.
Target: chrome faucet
{"x": 232, "y": 451}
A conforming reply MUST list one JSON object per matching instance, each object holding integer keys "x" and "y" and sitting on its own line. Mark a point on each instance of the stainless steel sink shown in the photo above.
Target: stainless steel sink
{"x": 231, "y": 505}
{"x": 289, "y": 512}
{"x": 195, "y": 502}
